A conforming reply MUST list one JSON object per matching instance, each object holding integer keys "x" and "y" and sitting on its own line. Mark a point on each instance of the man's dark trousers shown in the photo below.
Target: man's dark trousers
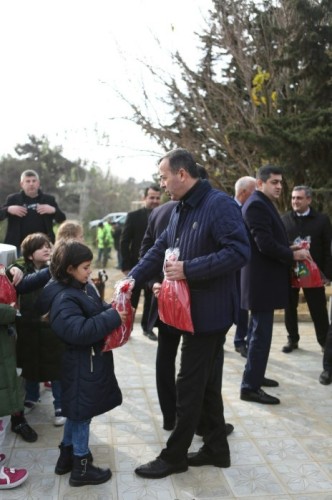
{"x": 258, "y": 349}
{"x": 316, "y": 300}
{"x": 146, "y": 304}
{"x": 198, "y": 389}
{"x": 241, "y": 332}
{"x": 168, "y": 342}
{"x": 327, "y": 358}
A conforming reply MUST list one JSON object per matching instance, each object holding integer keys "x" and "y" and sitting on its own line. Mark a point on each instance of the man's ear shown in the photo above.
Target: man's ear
{"x": 259, "y": 183}
{"x": 183, "y": 173}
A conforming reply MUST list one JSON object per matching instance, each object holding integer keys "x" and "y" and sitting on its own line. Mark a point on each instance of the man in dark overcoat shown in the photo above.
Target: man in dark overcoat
{"x": 130, "y": 245}
{"x": 265, "y": 279}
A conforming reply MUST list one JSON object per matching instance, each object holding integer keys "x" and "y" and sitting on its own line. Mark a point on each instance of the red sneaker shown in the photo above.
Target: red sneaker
{"x": 10, "y": 477}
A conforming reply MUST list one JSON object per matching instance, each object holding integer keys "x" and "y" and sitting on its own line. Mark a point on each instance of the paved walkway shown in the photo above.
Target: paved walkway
{"x": 278, "y": 452}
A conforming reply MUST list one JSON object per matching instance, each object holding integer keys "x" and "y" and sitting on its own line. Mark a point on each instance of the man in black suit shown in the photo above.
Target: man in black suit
{"x": 265, "y": 279}
{"x": 30, "y": 211}
{"x": 130, "y": 244}
{"x": 302, "y": 222}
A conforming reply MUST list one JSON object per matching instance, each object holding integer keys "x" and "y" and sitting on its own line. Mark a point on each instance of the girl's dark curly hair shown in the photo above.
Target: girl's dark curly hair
{"x": 68, "y": 253}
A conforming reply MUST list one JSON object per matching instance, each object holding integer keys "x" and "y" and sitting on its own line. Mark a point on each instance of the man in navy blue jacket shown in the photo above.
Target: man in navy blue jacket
{"x": 208, "y": 229}
{"x": 265, "y": 279}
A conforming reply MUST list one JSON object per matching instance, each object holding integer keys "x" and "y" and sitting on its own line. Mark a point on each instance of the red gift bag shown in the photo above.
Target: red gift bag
{"x": 120, "y": 335}
{"x": 306, "y": 273}
{"x": 7, "y": 290}
{"x": 174, "y": 300}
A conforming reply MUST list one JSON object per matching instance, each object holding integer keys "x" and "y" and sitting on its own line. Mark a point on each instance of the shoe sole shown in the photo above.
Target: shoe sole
{"x": 325, "y": 382}
{"x": 160, "y": 476}
{"x": 13, "y": 485}
{"x": 251, "y": 400}
{"x": 29, "y": 440}
{"x": 61, "y": 472}
{"x": 59, "y": 424}
{"x": 221, "y": 465}
{"x": 287, "y": 351}
{"x": 268, "y": 384}
{"x": 77, "y": 482}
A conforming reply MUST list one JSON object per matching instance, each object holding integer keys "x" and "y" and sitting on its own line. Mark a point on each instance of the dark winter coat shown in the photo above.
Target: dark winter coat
{"x": 265, "y": 279}
{"x": 81, "y": 320}
{"x": 14, "y": 234}
{"x": 209, "y": 231}
{"x": 39, "y": 350}
{"x": 11, "y": 387}
{"x": 319, "y": 228}
{"x": 157, "y": 223}
{"x": 132, "y": 236}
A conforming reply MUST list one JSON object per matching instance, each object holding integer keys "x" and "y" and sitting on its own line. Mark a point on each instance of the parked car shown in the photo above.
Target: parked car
{"x": 112, "y": 217}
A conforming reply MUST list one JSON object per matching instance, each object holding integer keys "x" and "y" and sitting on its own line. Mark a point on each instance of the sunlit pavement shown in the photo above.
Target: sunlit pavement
{"x": 279, "y": 452}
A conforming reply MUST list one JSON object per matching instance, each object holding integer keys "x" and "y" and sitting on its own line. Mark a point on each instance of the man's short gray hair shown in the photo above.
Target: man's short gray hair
{"x": 29, "y": 173}
{"x": 306, "y": 189}
{"x": 242, "y": 183}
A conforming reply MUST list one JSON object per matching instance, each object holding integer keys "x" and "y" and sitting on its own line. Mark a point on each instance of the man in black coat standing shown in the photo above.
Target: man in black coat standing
{"x": 265, "y": 279}
{"x": 303, "y": 222}
{"x": 30, "y": 211}
{"x": 130, "y": 245}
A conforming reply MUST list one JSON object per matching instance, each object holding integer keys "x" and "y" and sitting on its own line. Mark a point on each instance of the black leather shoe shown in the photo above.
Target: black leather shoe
{"x": 242, "y": 349}
{"x": 325, "y": 377}
{"x": 290, "y": 346}
{"x": 259, "y": 397}
{"x": 26, "y": 432}
{"x": 202, "y": 457}
{"x": 229, "y": 429}
{"x": 168, "y": 425}
{"x": 158, "y": 468}
{"x": 150, "y": 335}
{"x": 268, "y": 382}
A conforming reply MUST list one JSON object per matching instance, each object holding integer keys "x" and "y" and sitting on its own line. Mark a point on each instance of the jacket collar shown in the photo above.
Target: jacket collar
{"x": 195, "y": 194}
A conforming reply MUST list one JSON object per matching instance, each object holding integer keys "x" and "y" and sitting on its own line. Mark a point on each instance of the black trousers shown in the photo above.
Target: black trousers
{"x": 146, "y": 305}
{"x": 327, "y": 358}
{"x": 198, "y": 390}
{"x": 316, "y": 300}
{"x": 168, "y": 343}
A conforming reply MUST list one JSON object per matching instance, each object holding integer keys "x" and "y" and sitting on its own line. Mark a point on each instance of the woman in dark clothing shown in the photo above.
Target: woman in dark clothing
{"x": 89, "y": 386}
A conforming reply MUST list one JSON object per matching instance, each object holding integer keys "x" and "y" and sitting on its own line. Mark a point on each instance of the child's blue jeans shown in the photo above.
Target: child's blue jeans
{"x": 76, "y": 433}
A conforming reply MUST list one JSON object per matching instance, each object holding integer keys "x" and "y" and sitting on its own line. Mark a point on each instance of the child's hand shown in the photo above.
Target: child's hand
{"x": 156, "y": 289}
{"x": 17, "y": 275}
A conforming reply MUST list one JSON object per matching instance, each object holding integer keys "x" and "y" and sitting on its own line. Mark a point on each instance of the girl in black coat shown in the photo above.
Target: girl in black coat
{"x": 89, "y": 386}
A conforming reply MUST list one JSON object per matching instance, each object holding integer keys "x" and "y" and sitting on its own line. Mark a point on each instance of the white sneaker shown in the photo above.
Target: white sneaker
{"x": 59, "y": 419}
{"x": 10, "y": 477}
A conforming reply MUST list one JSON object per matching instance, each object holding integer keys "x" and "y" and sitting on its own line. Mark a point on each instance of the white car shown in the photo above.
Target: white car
{"x": 112, "y": 217}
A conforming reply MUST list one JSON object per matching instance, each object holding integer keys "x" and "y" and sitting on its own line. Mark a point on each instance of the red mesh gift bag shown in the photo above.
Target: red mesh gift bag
{"x": 174, "y": 300}
{"x": 121, "y": 302}
{"x": 7, "y": 290}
